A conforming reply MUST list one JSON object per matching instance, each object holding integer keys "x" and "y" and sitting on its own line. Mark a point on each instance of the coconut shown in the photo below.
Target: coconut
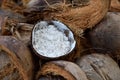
{"x": 23, "y": 32}
{"x": 77, "y": 15}
{"x": 25, "y": 2}
{"x": 8, "y": 5}
{"x": 115, "y": 5}
{"x": 99, "y": 67}
{"x": 105, "y": 36}
{"x": 15, "y": 60}
{"x": 67, "y": 70}
{"x": 12, "y": 15}
{"x": 52, "y": 39}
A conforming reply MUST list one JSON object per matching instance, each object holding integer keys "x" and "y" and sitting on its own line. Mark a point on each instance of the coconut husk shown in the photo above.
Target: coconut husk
{"x": 8, "y": 26}
{"x": 74, "y": 69}
{"x": 15, "y": 59}
{"x": 11, "y": 27}
{"x": 2, "y": 24}
{"x": 23, "y": 32}
{"x": 62, "y": 68}
{"x": 25, "y": 2}
{"x": 1, "y": 2}
{"x": 99, "y": 67}
{"x": 105, "y": 36}
{"x": 54, "y": 70}
{"x": 12, "y": 15}
{"x": 8, "y": 5}
{"x": 77, "y": 17}
{"x": 115, "y": 6}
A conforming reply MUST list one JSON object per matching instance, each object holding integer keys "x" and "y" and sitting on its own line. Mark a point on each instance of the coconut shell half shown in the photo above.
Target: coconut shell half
{"x": 99, "y": 67}
{"x": 54, "y": 70}
{"x": 106, "y": 35}
{"x": 15, "y": 59}
{"x": 65, "y": 69}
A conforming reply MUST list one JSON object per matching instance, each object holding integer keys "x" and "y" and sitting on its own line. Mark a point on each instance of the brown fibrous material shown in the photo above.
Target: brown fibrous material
{"x": 105, "y": 37}
{"x": 18, "y": 63}
{"x": 74, "y": 16}
{"x": 99, "y": 67}
{"x": 53, "y": 69}
{"x": 115, "y": 6}
{"x": 66, "y": 69}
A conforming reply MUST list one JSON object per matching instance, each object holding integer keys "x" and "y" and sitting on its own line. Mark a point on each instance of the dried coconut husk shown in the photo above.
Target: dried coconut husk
{"x": 54, "y": 70}
{"x": 21, "y": 31}
{"x": 11, "y": 27}
{"x": 8, "y": 27}
{"x": 106, "y": 35}
{"x": 115, "y": 5}
{"x": 1, "y": 2}
{"x": 25, "y": 2}
{"x": 99, "y": 67}
{"x": 24, "y": 32}
{"x": 72, "y": 14}
{"x": 12, "y": 15}
{"x": 65, "y": 69}
{"x": 12, "y": 5}
{"x": 15, "y": 59}
{"x": 2, "y": 24}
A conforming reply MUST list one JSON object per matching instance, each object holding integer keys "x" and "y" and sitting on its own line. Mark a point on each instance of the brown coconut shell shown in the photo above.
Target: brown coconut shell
{"x": 15, "y": 59}
{"x": 74, "y": 69}
{"x": 68, "y": 70}
{"x": 75, "y": 16}
{"x": 105, "y": 36}
{"x": 53, "y": 69}
{"x": 115, "y": 6}
{"x": 99, "y": 67}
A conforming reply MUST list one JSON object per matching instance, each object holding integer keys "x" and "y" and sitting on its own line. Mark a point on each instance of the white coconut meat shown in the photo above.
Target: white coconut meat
{"x": 52, "y": 39}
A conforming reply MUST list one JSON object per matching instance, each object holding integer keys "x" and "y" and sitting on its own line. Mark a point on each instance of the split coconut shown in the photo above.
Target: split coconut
{"x": 52, "y": 39}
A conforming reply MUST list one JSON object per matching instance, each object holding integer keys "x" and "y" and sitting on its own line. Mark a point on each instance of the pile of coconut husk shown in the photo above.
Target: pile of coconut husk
{"x": 94, "y": 23}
